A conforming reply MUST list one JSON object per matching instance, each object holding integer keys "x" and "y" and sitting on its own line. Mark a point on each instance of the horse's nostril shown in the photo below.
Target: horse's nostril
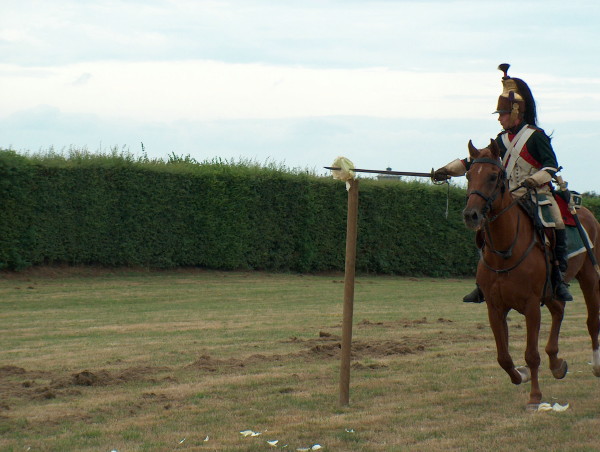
{"x": 471, "y": 217}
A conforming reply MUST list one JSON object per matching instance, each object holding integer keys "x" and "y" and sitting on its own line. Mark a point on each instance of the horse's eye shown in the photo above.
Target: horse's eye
{"x": 493, "y": 177}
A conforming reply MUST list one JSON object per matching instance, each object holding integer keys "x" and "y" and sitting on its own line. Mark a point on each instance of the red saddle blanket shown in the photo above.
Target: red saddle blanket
{"x": 566, "y": 214}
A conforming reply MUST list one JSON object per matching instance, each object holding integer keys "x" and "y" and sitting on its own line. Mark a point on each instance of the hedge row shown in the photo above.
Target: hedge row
{"x": 116, "y": 211}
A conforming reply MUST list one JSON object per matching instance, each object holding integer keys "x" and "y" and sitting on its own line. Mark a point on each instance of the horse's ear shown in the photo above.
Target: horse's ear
{"x": 494, "y": 148}
{"x": 473, "y": 151}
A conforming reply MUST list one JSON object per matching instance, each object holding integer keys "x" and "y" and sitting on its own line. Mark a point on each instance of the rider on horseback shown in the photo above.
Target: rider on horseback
{"x": 530, "y": 164}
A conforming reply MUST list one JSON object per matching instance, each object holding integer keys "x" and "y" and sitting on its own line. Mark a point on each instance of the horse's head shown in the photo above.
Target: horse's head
{"x": 486, "y": 183}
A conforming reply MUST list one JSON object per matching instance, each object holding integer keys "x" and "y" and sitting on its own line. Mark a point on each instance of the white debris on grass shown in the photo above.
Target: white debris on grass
{"x": 181, "y": 442}
{"x": 560, "y": 408}
{"x": 349, "y": 430}
{"x": 313, "y": 447}
{"x": 275, "y": 442}
{"x": 206, "y": 439}
{"x": 556, "y": 407}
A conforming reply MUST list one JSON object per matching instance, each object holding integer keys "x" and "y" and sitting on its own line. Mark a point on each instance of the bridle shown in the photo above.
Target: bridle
{"x": 500, "y": 187}
{"x": 489, "y": 199}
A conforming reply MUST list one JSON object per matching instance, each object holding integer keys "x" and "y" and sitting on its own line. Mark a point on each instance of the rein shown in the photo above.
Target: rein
{"x": 499, "y": 189}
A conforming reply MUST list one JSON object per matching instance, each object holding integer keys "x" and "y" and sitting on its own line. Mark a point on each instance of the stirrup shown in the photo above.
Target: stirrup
{"x": 476, "y": 296}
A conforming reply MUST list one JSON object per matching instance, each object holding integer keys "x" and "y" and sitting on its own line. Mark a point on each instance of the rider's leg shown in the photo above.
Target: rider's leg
{"x": 475, "y": 296}
{"x": 561, "y": 288}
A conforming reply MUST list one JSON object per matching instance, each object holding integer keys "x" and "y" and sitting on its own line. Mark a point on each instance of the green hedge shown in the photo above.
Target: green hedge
{"x": 118, "y": 211}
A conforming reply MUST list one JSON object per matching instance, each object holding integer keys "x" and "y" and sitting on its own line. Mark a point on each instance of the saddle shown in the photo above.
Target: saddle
{"x": 575, "y": 244}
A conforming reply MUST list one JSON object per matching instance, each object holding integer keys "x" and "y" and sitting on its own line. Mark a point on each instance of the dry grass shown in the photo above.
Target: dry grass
{"x": 159, "y": 361}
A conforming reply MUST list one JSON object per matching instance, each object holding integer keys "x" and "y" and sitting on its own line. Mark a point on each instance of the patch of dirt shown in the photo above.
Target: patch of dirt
{"x": 379, "y": 349}
{"x": 209, "y": 364}
{"x": 443, "y": 320}
{"x": 11, "y": 370}
{"x": 19, "y": 383}
{"x": 402, "y": 323}
{"x": 330, "y": 346}
{"x": 365, "y": 322}
{"x": 326, "y": 346}
{"x": 372, "y": 366}
{"x": 106, "y": 378}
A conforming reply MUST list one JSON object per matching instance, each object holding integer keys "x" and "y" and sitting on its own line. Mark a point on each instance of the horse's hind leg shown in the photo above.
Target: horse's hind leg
{"x": 590, "y": 286}
{"x": 558, "y": 366}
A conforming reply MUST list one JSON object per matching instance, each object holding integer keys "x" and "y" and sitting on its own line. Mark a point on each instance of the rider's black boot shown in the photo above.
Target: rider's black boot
{"x": 560, "y": 249}
{"x": 476, "y": 296}
{"x": 561, "y": 288}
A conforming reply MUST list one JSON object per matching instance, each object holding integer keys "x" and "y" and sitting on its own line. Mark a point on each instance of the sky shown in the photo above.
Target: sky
{"x": 385, "y": 83}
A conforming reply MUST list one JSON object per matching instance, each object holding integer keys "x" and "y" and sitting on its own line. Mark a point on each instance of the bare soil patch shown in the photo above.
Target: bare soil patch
{"x": 19, "y": 383}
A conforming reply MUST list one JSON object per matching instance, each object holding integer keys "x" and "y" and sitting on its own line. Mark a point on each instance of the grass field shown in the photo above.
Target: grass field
{"x": 185, "y": 360}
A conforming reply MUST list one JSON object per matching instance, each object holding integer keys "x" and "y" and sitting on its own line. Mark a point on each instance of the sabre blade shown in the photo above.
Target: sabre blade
{"x": 395, "y": 173}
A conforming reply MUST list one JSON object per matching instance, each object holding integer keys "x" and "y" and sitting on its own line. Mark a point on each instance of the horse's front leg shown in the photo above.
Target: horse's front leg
{"x": 532, "y": 354}
{"x": 499, "y": 327}
{"x": 558, "y": 366}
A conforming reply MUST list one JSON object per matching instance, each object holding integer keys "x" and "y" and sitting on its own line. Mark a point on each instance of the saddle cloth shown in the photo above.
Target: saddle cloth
{"x": 575, "y": 244}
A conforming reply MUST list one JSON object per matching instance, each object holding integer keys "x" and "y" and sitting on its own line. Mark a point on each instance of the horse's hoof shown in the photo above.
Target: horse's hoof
{"x": 561, "y": 372}
{"x": 525, "y": 373}
{"x": 596, "y": 370}
{"x": 532, "y": 407}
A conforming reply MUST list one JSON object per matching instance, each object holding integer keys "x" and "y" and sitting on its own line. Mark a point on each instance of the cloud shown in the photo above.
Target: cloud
{"x": 82, "y": 79}
{"x": 203, "y": 90}
{"x": 210, "y": 90}
{"x": 402, "y": 35}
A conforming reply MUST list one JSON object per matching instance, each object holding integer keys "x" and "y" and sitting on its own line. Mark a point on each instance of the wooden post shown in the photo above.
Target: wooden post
{"x": 351, "y": 234}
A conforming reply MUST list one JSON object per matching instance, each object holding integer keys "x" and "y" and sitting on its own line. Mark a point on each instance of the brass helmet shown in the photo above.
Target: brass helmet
{"x": 511, "y": 100}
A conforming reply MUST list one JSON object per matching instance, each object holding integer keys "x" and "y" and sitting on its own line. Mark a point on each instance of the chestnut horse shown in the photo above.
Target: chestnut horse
{"x": 512, "y": 271}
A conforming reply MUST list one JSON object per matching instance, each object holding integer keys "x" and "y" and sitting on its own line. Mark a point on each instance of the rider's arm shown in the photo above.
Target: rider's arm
{"x": 541, "y": 150}
{"x": 455, "y": 168}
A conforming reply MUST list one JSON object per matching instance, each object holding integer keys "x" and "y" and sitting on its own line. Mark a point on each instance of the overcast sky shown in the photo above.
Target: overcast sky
{"x": 401, "y": 84}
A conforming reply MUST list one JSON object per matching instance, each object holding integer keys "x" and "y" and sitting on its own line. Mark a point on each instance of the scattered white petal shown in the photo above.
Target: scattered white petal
{"x": 313, "y": 447}
{"x": 560, "y": 408}
{"x": 181, "y": 442}
{"x": 556, "y": 407}
{"x": 349, "y": 430}
{"x": 256, "y": 433}
{"x": 273, "y": 442}
{"x": 245, "y": 433}
{"x": 206, "y": 439}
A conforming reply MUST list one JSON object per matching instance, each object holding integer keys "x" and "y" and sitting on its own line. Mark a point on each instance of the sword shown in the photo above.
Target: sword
{"x": 585, "y": 241}
{"x": 394, "y": 173}
{"x": 584, "y": 238}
